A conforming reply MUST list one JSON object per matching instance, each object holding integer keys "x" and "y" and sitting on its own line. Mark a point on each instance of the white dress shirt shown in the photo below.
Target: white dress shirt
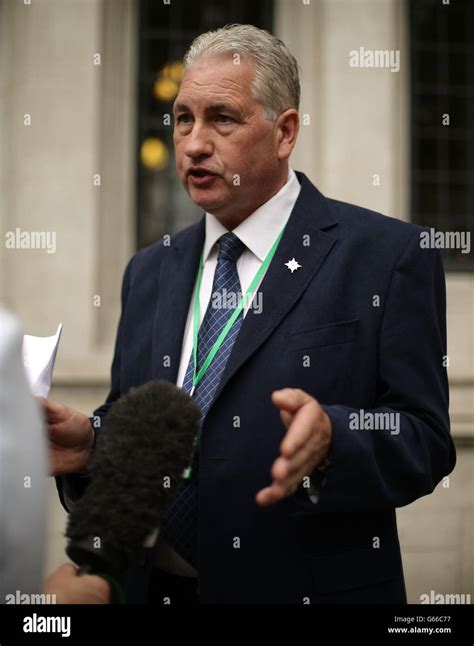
{"x": 258, "y": 232}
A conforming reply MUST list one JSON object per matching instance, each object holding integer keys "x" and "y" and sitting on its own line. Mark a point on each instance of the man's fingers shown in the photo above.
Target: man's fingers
{"x": 98, "y": 588}
{"x": 301, "y": 430}
{"x": 302, "y": 446}
{"x": 72, "y": 588}
{"x": 65, "y": 571}
{"x": 290, "y": 399}
{"x": 284, "y": 468}
{"x": 286, "y": 417}
{"x": 274, "y": 493}
{"x": 298, "y": 411}
{"x": 270, "y": 495}
{"x": 52, "y": 409}
{"x": 280, "y": 469}
{"x": 287, "y": 476}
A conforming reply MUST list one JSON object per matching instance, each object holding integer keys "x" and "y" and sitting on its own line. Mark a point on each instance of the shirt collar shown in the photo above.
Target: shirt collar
{"x": 260, "y": 229}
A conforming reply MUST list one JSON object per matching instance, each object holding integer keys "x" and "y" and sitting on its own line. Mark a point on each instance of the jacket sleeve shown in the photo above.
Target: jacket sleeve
{"x": 380, "y": 469}
{"x": 72, "y": 487}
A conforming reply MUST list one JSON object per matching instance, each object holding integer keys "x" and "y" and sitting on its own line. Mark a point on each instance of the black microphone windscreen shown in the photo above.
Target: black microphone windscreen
{"x": 140, "y": 455}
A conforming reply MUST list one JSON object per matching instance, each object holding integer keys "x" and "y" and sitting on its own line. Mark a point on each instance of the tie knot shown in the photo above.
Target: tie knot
{"x": 230, "y": 247}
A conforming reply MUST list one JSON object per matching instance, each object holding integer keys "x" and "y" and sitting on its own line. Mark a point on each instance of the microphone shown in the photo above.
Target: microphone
{"x": 140, "y": 456}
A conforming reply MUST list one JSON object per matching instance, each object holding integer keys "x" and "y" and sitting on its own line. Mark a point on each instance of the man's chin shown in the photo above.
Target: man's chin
{"x": 210, "y": 203}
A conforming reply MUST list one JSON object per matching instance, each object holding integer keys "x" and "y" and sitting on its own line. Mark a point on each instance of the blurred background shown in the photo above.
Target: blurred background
{"x": 86, "y": 93}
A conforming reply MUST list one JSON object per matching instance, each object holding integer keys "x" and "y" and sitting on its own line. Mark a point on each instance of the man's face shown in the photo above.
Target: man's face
{"x": 227, "y": 153}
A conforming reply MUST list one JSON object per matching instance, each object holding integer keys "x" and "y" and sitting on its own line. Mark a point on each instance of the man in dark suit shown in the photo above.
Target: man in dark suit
{"x": 319, "y": 335}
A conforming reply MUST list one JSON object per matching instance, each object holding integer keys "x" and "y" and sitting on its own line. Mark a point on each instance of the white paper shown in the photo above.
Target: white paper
{"x": 39, "y": 355}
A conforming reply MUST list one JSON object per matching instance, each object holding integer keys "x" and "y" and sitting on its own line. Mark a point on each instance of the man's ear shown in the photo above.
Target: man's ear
{"x": 287, "y": 126}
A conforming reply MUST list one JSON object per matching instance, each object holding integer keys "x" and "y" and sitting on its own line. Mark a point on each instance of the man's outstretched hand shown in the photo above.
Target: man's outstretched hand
{"x": 70, "y": 438}
{"x": 305, "y": 446}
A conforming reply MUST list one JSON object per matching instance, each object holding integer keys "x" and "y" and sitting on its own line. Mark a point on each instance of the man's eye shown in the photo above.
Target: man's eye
{"x": 223, "y": 118}
{"x": 183, "y": 118}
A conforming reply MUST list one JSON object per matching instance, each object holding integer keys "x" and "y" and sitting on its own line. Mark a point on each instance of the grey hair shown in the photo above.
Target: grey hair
{"x": 276, "y": 85}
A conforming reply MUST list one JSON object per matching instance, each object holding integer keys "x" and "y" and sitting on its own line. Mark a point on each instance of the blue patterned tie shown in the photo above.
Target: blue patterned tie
{"x": 180, "y": 522}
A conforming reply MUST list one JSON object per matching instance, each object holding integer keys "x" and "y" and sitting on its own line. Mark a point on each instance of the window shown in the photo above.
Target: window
{"x": 442, "y": 90}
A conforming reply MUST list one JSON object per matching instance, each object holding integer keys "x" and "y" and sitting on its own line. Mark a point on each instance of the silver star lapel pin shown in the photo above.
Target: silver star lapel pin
{"x": 292, "y": 265}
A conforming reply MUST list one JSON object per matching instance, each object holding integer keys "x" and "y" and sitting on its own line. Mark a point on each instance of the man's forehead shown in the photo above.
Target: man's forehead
{"x": 220, "y": 74}
{"x": 217, "y": 81}
{"x": 214, "y": 92}
{"x": 207, "y": 105}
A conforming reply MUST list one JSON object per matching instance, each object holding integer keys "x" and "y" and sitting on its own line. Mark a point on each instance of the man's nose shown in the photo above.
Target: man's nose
{"x": 199, "y": 142}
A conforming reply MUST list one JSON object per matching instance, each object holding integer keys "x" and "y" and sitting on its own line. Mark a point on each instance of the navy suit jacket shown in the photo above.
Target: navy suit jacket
{"x": 359, "y": 326}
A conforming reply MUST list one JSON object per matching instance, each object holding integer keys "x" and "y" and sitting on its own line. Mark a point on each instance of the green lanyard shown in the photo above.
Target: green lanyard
{"x": 225, "y": 331}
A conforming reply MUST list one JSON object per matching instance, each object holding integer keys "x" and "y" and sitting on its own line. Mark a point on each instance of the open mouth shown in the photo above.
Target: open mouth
{"x": 201, "y": 177}
{"x": 200, "y": 173}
